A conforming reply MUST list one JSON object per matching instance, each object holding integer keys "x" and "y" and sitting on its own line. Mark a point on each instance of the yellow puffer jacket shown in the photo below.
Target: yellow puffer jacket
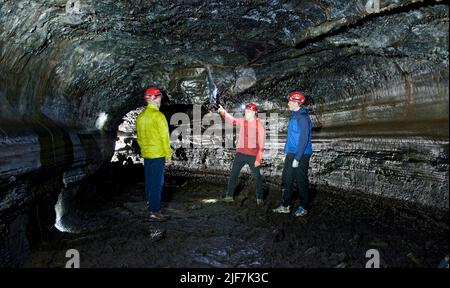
{"x": 153, "y": 134}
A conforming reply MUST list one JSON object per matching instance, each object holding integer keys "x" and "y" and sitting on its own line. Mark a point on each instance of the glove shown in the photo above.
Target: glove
{"x": 294, "y": 163}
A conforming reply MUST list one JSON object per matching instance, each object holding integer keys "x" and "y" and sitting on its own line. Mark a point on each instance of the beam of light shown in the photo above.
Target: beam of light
{"x": 101, "y": 120}
{"x": 210, "y": 201}
{"x": 60, "y": 211}
{"x": 211, "y": 87}
{"x": 61, "y": 228}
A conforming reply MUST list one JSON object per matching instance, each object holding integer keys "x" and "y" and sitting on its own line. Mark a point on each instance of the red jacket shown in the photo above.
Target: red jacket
{"x": 251, "y": 135}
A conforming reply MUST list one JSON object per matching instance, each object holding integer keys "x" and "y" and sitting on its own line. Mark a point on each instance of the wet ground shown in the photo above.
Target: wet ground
{"x": 205, "y": 232}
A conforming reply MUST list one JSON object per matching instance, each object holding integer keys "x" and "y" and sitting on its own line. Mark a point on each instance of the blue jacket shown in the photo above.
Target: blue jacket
{"x": 299, "y": 134}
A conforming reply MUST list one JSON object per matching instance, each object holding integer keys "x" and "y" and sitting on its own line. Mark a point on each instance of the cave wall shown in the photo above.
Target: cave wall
{"x": 39, "y": 161}
{"x": 376, "y": 84}
{"x": 75, "y": 59}
{"x": 412, "y": 170}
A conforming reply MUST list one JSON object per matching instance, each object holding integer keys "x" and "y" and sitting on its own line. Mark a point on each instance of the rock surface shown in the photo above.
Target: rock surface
{"x": 204, "y": 231}
{"x": 376, "y": 84}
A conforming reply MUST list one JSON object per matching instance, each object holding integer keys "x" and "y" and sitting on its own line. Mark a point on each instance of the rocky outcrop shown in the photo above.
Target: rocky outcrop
{"x": 39, "y": 161}
{"x": 376, "y": 82}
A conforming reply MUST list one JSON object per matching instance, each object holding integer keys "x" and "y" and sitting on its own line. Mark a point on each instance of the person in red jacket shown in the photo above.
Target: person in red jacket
{"x": 249, "y": 149}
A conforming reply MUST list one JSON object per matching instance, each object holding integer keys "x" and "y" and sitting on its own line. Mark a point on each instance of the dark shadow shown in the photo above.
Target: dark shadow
{"x": 241, "y": 184}
{"x": 312, "y": 196}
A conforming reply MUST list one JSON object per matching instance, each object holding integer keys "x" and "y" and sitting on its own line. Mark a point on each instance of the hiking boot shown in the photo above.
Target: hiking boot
{"x": 228, "y": 199}
{"x": 282, "y": 209}
{"x": 300, "y": 212}
{"x": 259, "y": 201}
{"x": 156, "y": 216}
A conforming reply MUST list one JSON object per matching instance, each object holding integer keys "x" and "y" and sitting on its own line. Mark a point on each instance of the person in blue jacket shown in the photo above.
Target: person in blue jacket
{"x": 298, "y": 150}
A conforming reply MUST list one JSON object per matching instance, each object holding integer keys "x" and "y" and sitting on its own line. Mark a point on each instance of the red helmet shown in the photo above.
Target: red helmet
{"x": 152, "y": 94}
{"x": 297, "y": 97}
{"x": 251, "y": 107}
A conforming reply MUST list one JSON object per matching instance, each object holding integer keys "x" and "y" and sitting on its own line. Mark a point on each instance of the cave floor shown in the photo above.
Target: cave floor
{"x": 201, "y": 233}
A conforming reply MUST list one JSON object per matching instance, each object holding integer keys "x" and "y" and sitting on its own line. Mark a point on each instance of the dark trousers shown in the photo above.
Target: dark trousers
{"x": 239, "y": 161}
{"x": 154, "y": 181}
{"x": 299, "y": 174}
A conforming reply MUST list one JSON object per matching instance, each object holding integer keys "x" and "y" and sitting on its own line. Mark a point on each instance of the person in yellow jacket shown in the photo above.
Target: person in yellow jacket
{"x": 154, "y": 141}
